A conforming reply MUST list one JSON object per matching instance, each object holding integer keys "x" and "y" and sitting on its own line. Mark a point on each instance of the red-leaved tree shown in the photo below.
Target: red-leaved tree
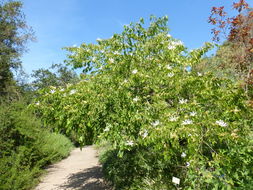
{"x": 237, "y": 31}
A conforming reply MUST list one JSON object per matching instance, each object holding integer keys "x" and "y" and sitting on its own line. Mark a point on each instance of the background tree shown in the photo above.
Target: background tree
{"x": 14, "y": 34}
{"x": 57, "y": 75}
{"x": 234, "y": 57}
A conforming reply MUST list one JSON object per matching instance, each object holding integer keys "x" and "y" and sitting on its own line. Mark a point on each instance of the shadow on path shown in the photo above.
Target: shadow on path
{"x": 88, "y": 179}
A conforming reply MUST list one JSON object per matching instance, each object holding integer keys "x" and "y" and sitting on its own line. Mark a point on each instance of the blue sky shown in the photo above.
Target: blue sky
{"x": 61, "y": 23}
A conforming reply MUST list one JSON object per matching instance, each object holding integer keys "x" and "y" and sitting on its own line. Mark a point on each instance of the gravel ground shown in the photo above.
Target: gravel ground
{"x": 81, "y": 170}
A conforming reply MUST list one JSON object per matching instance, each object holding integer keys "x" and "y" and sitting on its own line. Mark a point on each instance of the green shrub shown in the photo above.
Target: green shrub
{"x": 25, "y": 147}
{"x": 53, "y": 146}
{"x": 162, "y": 118}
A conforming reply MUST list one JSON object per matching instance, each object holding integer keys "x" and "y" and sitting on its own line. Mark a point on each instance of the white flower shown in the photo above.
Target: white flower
{"x": 170, "y": 75}
{"x": 188, "y": 164}
{"x": 169, "y": 67}
{"x": 116, "y": 53}
{"x": 193, "y": 113}
{"x": 37, "y": 103}
{"x": 173, "y": 118}
{"x": 189, "y": 135}
{"x": 199, "y": 74}
{"x": 171, "y": 47}
{"x": 136, "y": 99}
{"x": 183, "y": 155}
{"x": 180, "y": 43}
{"x": 187, "y": 122}
{"x": 106, "y": 129}
{"x": 183, "y": 101}
{"x": 134, "y": 71}
{"x": 52, "y": 91}
{"x": 125, "y": 81}
{"x": 176, "y": 180}
{"x": 174, "y": 44}
{"x": 154, "y": 124}
{"x": 130, "y": 143}
{"x": 144, "y": 134}
{"x": 72, "y": 92}
{"x": 94, "y": 59}
{"x": 221, "y": 123}
{"x": 111, "y": 60}
{"x": 62, "y": 89}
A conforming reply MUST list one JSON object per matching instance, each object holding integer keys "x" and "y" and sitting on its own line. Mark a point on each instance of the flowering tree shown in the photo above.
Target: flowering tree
{"x": 167, "y": 125}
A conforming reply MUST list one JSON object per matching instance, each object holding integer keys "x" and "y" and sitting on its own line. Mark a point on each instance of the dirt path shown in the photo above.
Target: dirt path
{"x": 80, "y": 170}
